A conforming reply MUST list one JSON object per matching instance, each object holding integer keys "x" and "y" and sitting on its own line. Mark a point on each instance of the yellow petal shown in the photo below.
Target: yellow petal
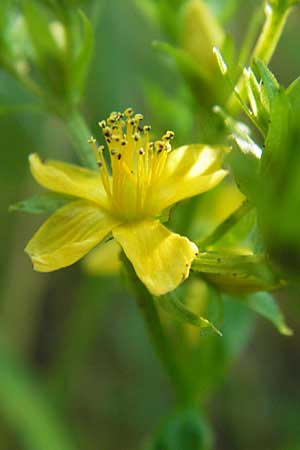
{"x": 198, "y": 158}
{"x": 68, "y": 179}
{"x": 104, "y": 259}
{"x": 68, "y": 235}
{"x": 190, "y": 170}
{"x": 161, "y": 259}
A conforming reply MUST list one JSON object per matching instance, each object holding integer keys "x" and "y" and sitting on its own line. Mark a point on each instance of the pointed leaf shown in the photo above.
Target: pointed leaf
{"x": 47, "y": 202}
{"x": 172, "y": 305}
{"x": 265, "y": 304}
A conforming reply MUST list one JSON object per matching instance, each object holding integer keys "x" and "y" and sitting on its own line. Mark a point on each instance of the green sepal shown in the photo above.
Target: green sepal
{"x": 47, "y": 202}
{"x": 236, "y": 274}
{"x": 264, "y": 304}
{"x": 171, "y": 304}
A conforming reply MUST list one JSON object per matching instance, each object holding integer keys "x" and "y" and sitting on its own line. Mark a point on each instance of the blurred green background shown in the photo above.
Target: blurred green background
{"x": 77, "y": 369}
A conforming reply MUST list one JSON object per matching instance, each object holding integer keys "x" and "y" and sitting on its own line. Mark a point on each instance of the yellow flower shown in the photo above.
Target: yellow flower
{"x": 137, "y": 180}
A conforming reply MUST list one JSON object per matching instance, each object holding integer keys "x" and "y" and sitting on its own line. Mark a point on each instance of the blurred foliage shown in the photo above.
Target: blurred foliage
{"x": 77, "y": 368}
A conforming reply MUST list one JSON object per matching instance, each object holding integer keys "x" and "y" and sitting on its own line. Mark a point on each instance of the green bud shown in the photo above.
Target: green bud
{"x": 201, "y": 33}
{"x": 236, "y": 273}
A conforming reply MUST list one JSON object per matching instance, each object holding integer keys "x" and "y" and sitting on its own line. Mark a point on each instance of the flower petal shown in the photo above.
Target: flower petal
{"x": 198, "y": 158}
{"x": 68, "y": 235}
{"x": 190, "y": 170}
{"x": 68, "y": 179}
{"x": 161, "y": 259}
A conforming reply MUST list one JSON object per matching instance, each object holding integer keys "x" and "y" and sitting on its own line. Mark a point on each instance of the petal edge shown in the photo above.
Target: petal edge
{"x": 161, "y": 258}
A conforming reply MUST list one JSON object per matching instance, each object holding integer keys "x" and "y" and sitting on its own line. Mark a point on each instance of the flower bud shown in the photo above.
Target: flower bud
{"x": 201, "y": 32}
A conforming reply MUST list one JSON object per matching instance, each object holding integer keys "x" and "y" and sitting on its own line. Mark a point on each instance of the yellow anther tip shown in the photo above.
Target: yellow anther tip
{"x": 128, "y": 112}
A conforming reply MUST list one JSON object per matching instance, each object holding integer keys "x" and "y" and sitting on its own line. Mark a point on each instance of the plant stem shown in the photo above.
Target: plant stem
{"x": 161, "y": 343}
{"x": 79, "y": 133}
{"x": 226, "y": 225}
{"x": 265, "y": 46}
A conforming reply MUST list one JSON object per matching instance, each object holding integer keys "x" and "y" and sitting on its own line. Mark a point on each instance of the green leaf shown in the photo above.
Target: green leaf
{"x": 244, "y": 159}
{"x": 172, "y": 305}
{"x": 277, "y": 141}
{"x": 26, "y": 407}
{"x": 265, "y": 304}
{"x": 47, "y": 55}
{"x": 245, "y": 167}
{"x": 185, "y": 430}
{"x": 270, "y": 84}
{"x": 42, "y": 203}
{"x": 80, "y": 66}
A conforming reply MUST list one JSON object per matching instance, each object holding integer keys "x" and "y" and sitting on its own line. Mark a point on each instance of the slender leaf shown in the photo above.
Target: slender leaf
{"x": 265, "y": 304}
{"x": 172, "y": 305}
{"x": 47, "y": 202}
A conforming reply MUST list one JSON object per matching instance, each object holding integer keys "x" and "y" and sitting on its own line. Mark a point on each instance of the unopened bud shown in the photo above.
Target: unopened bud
{"x": 201, "y": 33}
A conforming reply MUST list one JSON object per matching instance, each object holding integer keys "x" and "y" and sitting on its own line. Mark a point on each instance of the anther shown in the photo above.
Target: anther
{"x": 119, "y": 156}
{"x": 123, "y": 142}
{"x": 139, "y": 117}
{"x": 147, "y": 128}
{"x": 168, "y": 135}
{"x": 141, "y": 151}
{"x": 102, "y": 124}
{"x": 128, "y": 112}
{"x": 99, "y": 164}
{"x": 107, "y": 132}
{"x": 92, "y": 140}
{"x": 136, "y": 137}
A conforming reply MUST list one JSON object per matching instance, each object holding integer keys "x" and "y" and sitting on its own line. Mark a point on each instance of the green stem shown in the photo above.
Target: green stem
{"x": 264, "y": 49}
{"x": 79, "y": 133}
{"x": 161, "y": 343}
{"x": 226, "y": 225}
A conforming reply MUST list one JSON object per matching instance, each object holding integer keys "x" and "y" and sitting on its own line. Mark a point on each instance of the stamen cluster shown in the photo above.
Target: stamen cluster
{"x": 134, "y": 164}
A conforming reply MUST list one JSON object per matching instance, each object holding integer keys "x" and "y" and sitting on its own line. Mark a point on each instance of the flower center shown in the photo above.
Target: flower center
{"x": 132, "y": 165}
